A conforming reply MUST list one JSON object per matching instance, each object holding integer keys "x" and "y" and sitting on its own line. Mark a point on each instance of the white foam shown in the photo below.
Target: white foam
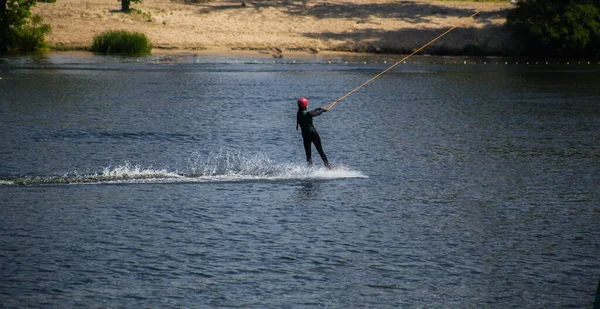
{"x": 128, "y": 171}
{"x": 337, "y": 173}
{"x": 217, "y": 167}
{"x": 6, "y": 182}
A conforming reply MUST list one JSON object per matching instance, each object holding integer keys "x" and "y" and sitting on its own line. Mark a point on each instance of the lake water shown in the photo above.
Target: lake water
{"x": 180, "y": 182}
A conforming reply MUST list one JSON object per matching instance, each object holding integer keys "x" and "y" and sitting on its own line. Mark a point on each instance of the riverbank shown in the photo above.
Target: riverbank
{"x": 283, "y": 27}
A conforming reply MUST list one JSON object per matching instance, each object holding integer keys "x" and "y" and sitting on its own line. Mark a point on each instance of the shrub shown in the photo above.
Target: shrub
{"x": 32, "y": 37}
{"x": 121, "y": 42}
{"x": 20, "y": 30}
{"x": 557, "y": 26}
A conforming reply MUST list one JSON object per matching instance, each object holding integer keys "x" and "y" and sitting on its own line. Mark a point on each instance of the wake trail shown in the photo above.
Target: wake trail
{"x": 217, "y": 167}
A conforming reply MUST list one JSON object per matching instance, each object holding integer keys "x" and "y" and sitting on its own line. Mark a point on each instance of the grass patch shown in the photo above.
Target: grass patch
{"x": 141, "y": 15}
{"x": 121, "y": 42}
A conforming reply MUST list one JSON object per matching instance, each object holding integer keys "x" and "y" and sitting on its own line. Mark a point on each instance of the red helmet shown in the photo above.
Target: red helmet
{"x": 303, "y": 102}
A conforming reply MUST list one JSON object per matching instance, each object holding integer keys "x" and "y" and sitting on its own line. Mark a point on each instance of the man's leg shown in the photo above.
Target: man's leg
{"x": 307, "y": 149}
{"x": 317, "y": 141}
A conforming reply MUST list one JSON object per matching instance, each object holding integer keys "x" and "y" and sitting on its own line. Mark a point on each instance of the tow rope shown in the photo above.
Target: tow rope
{"x": 460, "y": 23}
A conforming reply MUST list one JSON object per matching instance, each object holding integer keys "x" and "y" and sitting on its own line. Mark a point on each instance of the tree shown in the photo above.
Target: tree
{"x": 562, "y": 27}
{"x": 125, "y": 4}
{"x": 19, "y": 30}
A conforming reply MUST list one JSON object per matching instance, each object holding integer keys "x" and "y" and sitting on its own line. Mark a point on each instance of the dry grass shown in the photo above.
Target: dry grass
{"x": 342, "y": 25}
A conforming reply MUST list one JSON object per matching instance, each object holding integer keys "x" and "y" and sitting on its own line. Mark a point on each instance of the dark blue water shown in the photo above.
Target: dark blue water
{"x": 179, "y": 182}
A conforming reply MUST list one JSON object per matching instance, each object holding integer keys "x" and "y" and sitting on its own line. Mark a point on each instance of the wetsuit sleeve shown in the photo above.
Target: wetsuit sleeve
{"x": 315, "y": 112}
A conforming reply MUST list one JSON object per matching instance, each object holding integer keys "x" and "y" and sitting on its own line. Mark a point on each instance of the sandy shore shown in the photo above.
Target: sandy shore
{"x": 281, "y": 27}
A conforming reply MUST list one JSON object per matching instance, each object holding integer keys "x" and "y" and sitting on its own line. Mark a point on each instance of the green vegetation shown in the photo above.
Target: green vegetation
{"x": 558, "y": 27}
{"x": 141, "y": 15}
{"x": 19, "y": 29}
{"x": 121, "y": 42}
{"x": 32, "y": 37}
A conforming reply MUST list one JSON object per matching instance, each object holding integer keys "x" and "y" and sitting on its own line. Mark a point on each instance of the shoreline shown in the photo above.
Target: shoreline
{"x": 284, "y": 28}
{"x": 325, "y": 57}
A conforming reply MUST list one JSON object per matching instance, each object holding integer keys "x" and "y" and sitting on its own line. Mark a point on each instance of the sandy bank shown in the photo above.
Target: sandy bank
{"x": 280, "y": 27}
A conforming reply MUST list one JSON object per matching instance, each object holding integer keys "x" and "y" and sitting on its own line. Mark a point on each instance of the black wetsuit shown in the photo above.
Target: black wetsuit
{"x": 304, "y": 119}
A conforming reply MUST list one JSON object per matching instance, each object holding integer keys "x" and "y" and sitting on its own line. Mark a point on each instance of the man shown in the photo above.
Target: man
{"x": 304, "y": 119}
